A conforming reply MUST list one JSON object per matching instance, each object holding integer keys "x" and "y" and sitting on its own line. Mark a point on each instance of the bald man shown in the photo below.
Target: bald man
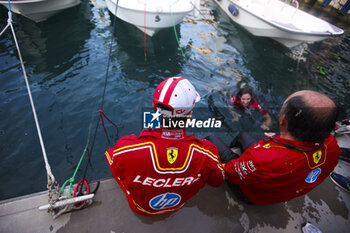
{"x": 280, "y": 168}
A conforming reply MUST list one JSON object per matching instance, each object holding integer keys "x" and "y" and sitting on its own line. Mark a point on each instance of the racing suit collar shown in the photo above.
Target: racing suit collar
{"x": 296, "y": 145}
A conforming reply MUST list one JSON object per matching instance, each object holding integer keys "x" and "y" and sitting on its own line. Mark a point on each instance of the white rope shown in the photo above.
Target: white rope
{"x": 57, "y": 204}
{"x": 4, "y": 29}
{"x": 47, "y": 165}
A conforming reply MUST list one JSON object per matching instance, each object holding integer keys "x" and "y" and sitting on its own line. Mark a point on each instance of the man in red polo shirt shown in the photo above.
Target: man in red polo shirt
{"x": 161, "y": 169}
{"x": 278, "y": 169}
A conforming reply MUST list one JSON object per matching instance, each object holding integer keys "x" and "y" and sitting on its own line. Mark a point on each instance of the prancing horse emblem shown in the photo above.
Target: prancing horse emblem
{"x": 171, "y": 154}
{"x": 317, "y": 156}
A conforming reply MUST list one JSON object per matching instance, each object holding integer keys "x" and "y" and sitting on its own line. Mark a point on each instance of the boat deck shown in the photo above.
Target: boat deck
{"x": 211, "y": 210}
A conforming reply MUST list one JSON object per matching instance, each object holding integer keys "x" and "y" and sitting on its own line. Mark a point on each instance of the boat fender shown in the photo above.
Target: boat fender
{"x": 234, "y": 11}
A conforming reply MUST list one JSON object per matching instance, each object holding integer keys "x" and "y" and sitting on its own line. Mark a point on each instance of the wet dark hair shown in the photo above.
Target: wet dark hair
{"x": 306, "y": 123}
{"x": 244, "y": 90}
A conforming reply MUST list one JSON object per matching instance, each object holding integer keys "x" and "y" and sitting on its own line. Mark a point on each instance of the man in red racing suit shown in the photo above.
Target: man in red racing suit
{"x": 280, "y": 168}
{"x": 268, "y": 172}
{"x": 161, "y": 169}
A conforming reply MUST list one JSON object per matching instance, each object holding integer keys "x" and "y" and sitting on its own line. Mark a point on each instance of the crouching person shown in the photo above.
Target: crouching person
{"x": 161, "y": 169}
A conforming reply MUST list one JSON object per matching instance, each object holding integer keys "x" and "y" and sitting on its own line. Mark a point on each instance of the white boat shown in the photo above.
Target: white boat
{"x": 278, "y": 20}
{"x": 151, "y": 16}
{"x": 39, "y": 10}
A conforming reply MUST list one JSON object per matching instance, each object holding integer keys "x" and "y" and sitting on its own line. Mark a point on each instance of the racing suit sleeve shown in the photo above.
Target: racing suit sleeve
{"x": 213, "y": 168}
{"x": 113, "y": 161}
{"x": 258, "y": 107}
{"x": 245, "y": 169}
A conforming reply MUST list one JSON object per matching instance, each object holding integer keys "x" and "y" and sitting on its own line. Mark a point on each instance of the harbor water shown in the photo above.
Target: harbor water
{"x": 69, "y": 57}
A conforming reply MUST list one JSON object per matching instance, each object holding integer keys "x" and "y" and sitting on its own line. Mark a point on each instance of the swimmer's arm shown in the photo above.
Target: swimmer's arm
{"x": 233, "y": 113}
{"x": 267, "y": 122}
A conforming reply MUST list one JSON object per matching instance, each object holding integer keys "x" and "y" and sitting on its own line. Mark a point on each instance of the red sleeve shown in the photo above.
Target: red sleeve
{"x": 258, "y": 107}
{"x": 213, "y": 167}
{"x": 109, "y": 153}
{"x": 244, "y": 169}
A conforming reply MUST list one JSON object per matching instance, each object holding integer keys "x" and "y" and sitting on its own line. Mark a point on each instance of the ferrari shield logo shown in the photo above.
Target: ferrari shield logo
{"x": 317, "y": 156}
{"x": 171, "y": 153}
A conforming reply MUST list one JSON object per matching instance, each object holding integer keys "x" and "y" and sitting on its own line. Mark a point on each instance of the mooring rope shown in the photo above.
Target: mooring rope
{"x": 47, "y": 165}
{"x": 53, "y": 194}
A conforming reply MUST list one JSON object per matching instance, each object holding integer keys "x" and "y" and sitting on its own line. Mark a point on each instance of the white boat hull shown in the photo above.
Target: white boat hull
{"x": 279, "y": 21}
{"x": 39, "y": 10}
{"x": 150, "y": 16}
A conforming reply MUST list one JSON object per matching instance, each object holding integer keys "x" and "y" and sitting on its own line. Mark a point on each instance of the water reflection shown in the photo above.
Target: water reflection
{"x": 54, "y": 44}
{"x": 328, "y": 64}
{"x": 151, "y": 57}
{"x": 53, "y": 52}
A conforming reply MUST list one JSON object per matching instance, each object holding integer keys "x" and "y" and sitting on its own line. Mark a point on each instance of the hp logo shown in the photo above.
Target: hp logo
{"x": 165, "y": 200}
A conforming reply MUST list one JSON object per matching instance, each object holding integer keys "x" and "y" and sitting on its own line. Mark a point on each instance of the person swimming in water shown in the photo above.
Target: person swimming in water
{"x": 244, "y": 101}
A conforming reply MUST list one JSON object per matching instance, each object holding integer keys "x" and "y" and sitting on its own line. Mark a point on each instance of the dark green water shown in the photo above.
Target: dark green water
{"x": 66, "y": 61}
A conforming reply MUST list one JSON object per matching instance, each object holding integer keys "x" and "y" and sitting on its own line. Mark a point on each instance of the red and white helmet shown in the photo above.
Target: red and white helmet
{"x": 178, "y": 94}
